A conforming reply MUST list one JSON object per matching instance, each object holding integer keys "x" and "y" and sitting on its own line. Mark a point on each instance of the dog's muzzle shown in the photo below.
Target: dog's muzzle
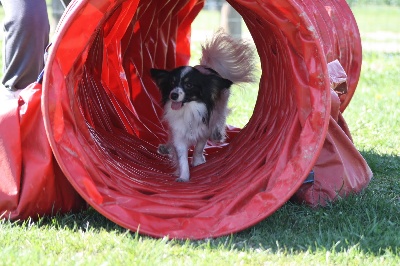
{"x": 176, "y": 95}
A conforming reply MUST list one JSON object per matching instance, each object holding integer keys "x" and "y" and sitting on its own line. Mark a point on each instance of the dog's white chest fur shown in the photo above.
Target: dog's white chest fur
{"x": 189, "y": 123}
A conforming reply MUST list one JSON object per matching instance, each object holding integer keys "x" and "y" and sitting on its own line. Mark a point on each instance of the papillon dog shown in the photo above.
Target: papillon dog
{"x": 195, "y": 99}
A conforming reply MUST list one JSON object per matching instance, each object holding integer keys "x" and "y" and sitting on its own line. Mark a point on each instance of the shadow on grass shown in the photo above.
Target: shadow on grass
{"x": 369, "y": 221}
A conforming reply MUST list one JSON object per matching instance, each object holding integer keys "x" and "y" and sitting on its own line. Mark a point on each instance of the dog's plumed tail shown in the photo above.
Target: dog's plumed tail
{"x": 233, "y": 59}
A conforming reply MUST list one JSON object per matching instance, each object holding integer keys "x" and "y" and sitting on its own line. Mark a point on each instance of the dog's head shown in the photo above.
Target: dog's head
{"x": 185, "y": 84}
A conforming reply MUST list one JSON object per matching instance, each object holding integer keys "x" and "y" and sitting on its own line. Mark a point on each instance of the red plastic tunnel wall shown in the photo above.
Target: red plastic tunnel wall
{"x": 102, "y": 111}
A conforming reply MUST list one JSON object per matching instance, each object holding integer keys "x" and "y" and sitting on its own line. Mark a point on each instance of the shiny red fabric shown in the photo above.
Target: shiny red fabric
{"x": 340, "y": 169}
{"x": 32, "y": 183}
{"x": 102, "y": 112}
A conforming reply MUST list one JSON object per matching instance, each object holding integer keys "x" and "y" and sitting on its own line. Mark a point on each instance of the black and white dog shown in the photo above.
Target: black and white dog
{"x": 195, "y": 98}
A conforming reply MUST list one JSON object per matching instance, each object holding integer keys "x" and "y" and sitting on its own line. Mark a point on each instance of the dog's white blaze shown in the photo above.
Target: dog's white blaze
{"x": 185, "y": 70}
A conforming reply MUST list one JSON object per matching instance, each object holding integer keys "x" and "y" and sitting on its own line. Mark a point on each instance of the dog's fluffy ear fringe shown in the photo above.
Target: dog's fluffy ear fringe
{"x": 233, "y": 59}
{"x": 220, "y": 82}
{"x": 158, "y": 75}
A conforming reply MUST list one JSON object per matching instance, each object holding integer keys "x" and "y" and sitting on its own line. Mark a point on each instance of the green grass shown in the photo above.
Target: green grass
{"x": 359, "y": 230}
{"x": 374, "y": 114}
{"x": 372, "y": 19}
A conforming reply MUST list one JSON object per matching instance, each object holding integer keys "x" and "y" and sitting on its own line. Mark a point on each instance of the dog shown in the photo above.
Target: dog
{"x": 195, "y": 99}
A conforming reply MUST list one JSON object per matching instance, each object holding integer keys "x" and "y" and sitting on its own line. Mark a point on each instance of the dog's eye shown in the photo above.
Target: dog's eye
{"x": 189, "y": 85}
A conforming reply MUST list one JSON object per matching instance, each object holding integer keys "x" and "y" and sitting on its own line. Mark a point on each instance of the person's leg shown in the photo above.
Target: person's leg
{"x": 26, "y": 35}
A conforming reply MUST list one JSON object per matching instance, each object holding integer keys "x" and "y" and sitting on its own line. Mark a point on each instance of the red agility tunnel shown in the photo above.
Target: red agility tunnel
{"x": 102, "y": 115}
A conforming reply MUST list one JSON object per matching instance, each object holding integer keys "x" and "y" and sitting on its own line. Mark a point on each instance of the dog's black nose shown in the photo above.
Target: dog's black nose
{"x": 174, "y": 96}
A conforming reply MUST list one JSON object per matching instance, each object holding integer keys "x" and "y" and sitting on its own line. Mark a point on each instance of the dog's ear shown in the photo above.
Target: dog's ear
{"x": 159, "y": 76}
{"x": 226, "y": 83}
{"x": 221, "y": 83}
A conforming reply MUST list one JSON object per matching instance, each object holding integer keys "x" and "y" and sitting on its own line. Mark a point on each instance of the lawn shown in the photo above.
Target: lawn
{"x": 359, "y": 230}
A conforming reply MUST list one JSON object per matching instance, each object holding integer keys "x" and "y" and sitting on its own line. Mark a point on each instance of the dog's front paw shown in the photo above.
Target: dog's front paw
{"x": 163, "y": 149}
{"x": 181, "y": 180}
{"x": 197, "y": 160}
{"x": 183, "y": 177}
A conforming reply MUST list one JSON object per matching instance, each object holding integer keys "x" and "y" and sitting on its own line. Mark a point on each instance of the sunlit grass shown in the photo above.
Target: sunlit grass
{"x": 374, "y": 112}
